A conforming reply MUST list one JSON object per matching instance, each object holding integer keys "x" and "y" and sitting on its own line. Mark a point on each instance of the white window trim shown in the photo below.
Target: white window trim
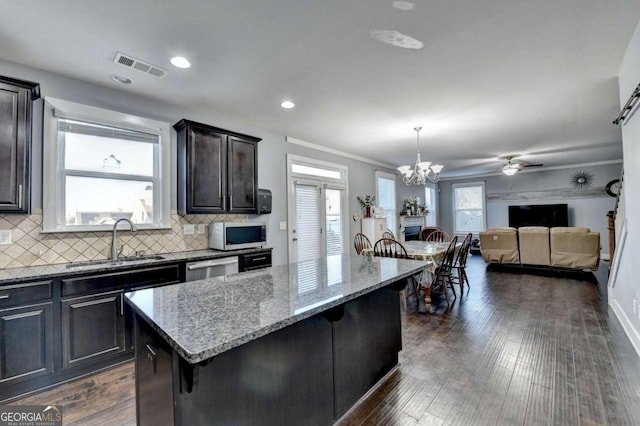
{"x": 454, "y": 210}
{"x": 52, "y": 201}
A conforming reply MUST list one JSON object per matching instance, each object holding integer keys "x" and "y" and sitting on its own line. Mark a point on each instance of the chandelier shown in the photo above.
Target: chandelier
{"x": 422, "y": 171}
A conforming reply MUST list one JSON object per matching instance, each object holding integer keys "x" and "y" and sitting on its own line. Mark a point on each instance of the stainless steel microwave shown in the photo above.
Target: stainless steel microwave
{"x": 237, "y": 235}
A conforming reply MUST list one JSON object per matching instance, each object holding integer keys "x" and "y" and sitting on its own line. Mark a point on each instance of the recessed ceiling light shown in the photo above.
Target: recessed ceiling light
{"x": 180, "y": 62}
{"x": 403, "y": 5}
{"x": 121, "y": 79}
{"x": 287, "y": 105}
{"x": 397, "y": 39}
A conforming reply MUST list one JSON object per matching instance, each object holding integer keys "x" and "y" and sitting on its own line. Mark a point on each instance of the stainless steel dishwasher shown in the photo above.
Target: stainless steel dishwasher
{"x": 211, "y": 268}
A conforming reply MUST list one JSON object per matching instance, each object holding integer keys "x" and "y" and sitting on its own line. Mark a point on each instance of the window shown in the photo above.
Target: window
{"x": 386, "y": 198}
{"x": 100, "y": 166}
{"x": 469, "y": 207}
{"x": 431, "y": 201}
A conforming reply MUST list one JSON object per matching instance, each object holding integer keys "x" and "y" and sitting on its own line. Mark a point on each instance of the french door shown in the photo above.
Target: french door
{"x": 317, "y": 218}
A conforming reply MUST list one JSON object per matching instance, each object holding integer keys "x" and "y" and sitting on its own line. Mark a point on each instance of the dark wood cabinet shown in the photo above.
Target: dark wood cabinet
{"x": 252, "y": 261}
{"x": 217, "y": 170}
{"x": 26, "y": 344}
{"x": 16, "y": 97}
{"x": 93, "y": 328}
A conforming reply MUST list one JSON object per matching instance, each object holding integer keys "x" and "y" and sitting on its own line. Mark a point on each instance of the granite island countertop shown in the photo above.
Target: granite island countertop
{"x": 11, "y": 275}
{"x": 201, "y": 319}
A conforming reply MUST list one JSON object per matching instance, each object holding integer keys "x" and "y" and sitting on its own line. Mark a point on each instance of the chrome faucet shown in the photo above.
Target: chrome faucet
{"x": 115, "y": 253}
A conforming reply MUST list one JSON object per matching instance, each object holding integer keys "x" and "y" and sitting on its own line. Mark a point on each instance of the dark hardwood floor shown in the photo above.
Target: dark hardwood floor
{"x": 516, "y": 349}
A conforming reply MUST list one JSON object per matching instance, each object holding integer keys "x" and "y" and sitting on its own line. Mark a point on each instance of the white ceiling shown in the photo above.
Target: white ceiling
{"x": 495, "y": 77}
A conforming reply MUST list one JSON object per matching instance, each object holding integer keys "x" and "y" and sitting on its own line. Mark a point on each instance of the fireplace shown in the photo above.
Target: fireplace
{"x": 412, "y": 232}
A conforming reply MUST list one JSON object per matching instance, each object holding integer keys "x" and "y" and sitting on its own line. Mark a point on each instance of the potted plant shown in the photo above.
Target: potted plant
{"x": 366, "y": 202}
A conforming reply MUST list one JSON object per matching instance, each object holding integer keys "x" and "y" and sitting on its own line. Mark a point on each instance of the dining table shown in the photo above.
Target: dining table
{"x": 429, "y": 251}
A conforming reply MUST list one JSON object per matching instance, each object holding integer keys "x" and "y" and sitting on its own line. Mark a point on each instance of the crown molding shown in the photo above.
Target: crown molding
{"x": 310, "y": 145}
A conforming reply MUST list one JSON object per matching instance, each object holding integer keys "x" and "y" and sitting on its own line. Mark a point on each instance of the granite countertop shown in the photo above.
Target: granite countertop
{"x": 11, "y": 275}
{"x": 201, "y": 319}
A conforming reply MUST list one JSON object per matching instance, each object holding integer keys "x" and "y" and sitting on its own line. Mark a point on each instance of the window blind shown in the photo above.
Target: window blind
{"x": 308, "y": 221}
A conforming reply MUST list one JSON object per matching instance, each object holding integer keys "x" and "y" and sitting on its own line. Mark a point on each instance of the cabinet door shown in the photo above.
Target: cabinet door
{"x": 92, "y": 328}
{"x": 206, "y": 180}
{"x": 15, "y": 127}
{"x": 243, "y": 175}
{"x": 26, "y": 342}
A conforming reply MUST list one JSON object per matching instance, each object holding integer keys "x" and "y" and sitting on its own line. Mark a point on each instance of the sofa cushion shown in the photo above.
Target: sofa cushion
{"x": 500, "y": 245}
{"x": 575, "y": 248}
{"x": 534, "y": 245}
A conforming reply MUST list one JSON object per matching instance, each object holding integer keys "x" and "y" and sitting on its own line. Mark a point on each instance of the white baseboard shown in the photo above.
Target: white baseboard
{"x": 628, "y": 327}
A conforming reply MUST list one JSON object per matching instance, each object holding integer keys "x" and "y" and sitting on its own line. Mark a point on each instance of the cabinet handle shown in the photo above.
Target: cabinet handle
{"x": 230, "y": 202}
{"x": 151, "y": 356}
{"x": 255, "y": 259}
{"x": 20, "y": 196}
{"x": 4, "y": 296}
{"x": 122, "y": 304}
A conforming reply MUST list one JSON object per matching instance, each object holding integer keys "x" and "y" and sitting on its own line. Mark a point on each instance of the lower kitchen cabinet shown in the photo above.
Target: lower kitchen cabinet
{"x": 93, "y": 328}
{"x": 26, "y": 342}
{"x": 258, "y": 260}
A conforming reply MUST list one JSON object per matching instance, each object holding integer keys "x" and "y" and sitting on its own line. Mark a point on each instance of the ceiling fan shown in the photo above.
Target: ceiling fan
{"x": 511, "y": 169}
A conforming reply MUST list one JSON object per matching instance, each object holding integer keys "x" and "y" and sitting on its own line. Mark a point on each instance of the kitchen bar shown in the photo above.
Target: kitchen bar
{"x": 291, "y": 344}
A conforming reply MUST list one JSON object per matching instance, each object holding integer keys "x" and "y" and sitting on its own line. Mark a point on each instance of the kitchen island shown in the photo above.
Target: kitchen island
{"x": 291, "y": 344}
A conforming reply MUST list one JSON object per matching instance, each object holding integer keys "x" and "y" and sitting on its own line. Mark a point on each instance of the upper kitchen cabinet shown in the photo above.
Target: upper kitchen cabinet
{"x": 16, "y": 97}
{"x": 217, "y": 170}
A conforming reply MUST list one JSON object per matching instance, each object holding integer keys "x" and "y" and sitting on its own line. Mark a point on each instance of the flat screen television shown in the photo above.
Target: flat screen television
{"x": 539, "y": 215}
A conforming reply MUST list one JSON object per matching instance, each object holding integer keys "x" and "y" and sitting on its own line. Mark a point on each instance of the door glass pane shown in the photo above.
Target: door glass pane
{"x": 96, "y": 201}
{"x": 307, "y": 222}
{"x": 334, "y": 225}
{"x": 316, "y": 171}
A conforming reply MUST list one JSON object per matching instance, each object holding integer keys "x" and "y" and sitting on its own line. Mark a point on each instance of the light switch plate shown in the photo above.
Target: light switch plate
{"x": 188, "y": 229}
{"x": 5, "y": 237}
{"x": 283, "y": 225}
{"x": 201, "y": 228}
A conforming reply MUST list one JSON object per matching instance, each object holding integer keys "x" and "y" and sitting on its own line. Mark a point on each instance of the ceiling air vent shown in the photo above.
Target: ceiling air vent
{"x": 137, "y": 64}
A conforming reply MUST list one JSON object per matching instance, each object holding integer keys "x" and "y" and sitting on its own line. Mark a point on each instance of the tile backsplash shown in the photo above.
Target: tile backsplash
{"x": 30, "y": 247}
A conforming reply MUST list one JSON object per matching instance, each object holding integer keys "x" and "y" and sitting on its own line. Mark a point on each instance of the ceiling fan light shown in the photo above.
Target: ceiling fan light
{"x": 437, "y": 168}
{"x": 510, "y": 171}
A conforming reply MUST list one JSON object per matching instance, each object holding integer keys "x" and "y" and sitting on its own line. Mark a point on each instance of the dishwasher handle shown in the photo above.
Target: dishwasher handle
{"x": 211, "y": 263}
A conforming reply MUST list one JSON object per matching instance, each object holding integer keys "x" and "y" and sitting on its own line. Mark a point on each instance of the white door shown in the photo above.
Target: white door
{"x": 317, "y": 209}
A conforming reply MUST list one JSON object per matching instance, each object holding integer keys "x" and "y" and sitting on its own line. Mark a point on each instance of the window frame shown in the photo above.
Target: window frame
{"x": 455, "y": 210}
{"x": 395, "y": 216}
{"x": 54, "y": 173}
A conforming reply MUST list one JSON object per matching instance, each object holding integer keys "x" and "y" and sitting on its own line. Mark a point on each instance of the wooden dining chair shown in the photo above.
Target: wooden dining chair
{"x": 460, "y": 264}
{"x": 361, "y": 242}
{"x": 442, "y": 277}
{"x": 388, "y": 247}
{"x": 388, "y": 235}
{"x": 428, "y": 230}
{"x": 439, "y": 236}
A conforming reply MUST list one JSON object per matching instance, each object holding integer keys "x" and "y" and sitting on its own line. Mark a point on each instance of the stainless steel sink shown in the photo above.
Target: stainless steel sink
{"x": 120, "y": 261}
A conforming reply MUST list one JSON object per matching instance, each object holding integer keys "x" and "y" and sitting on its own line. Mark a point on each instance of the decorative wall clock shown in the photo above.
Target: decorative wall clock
{"x": 613, "y": 188}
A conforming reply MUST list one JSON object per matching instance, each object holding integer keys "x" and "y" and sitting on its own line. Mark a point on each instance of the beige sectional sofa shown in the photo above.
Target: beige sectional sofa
{"x": 563, "y": 247}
